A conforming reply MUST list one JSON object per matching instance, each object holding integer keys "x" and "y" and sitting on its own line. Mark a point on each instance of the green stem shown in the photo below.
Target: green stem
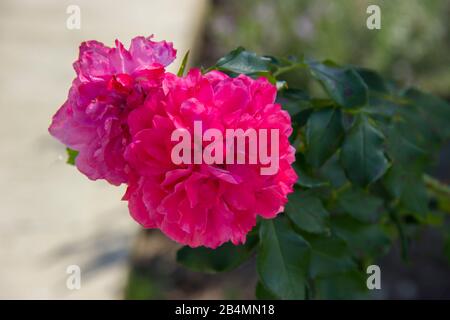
{"x": 282, "y": 70}
{"x": 401, "y": 233}
{"x": 436, "y": 186}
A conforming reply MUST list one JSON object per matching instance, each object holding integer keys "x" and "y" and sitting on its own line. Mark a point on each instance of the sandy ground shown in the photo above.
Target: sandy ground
{"x": 51, "y": 216}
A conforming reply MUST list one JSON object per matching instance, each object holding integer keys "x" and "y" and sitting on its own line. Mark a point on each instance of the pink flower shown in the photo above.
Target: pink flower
{"x": 120, "y": 115}
{"x": 110, "y": 83}
{"x": 200, "y": 204}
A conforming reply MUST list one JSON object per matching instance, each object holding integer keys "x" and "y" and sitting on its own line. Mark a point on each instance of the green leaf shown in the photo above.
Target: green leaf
{"x": 362, "y": 155}
{"x": 72, "y": 154}
{"x": 382, "y": 106}
{"x": 408, "y": 188}
{"x": 262, "y": 293}
{"x": 283, "y": 259}
{"x": 306, "y": 181}
{"x": 324, "y": 133}
{"x": 348, "y": 285}
{"x": 224, "y": 258}
{"x": 307, "y": 212}
{"x": 402, "y": 149}
{"x": 282, "y": 66}
{"x": 297, "y": 103}
{"x": 241, "y": 61}
{"x": 329, "y": 255}
{"x": 360, "y": 204}
{"x": 433, "y": 110}
{"x": 425, "y": 134}
{"x": 333, "y": 172}
{"x": 343, "y": 84}
{"x": 372, "y": 79}
{"x": 180, "y": 72}
{"x": 363, "y": 239}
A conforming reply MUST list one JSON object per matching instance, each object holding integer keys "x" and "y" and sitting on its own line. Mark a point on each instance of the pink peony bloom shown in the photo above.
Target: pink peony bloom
{"x": 200, "y": 204}
{"x": 110, "y": 83}
{"x": 120, "y": 115}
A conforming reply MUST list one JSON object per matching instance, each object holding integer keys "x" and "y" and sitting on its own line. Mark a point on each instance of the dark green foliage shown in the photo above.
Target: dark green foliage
{"x": 343, "y": 84}
{"x": 307, "y": 212}
{"x": 283, "y": 259}
{"x": 362, "y": 154}
{"x": 324, "y": 132}
{"x": 361, "y": 157}
{"x": 241, "y": 61}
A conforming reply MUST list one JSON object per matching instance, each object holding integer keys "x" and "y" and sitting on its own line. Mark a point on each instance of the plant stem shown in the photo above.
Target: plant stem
{"x": 440, "y": 191}
{"x": 282, "y": 70}
{"x": 401, "y": 233}
{"x": 436, "y": 186}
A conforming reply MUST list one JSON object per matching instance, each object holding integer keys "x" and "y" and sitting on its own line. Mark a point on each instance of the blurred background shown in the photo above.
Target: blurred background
{"x": 53, "y": 217}
{"x": 409, "y": 48}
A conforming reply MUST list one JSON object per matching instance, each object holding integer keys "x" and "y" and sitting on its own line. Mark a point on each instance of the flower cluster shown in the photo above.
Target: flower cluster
{"x": 121, "y": 111}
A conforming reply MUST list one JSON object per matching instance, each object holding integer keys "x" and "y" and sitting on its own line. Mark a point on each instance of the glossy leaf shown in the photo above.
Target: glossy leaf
{"x": 402, "y": 148}
{"x": 329, "y": 256}
{"x": 324, "y": 133}
{"x": 283, "y": 259}
{"x": 347, "y": 285}
{"x": 343, "y": 84}
{"x": 333, "y": 172}
{"x": 307, "y": 212}
{"x": 241, "y": 61}
{"x": 360, "y": 204}
{"x": 362, "y": 154}
{"x": 372, "y": 79}
{"x": 363, "y": 239}
{"x": 433, "y": 110}
{"x": 307, "y": 181}
{"x": 262, "y": 293}
{"x": 408, "y": 188}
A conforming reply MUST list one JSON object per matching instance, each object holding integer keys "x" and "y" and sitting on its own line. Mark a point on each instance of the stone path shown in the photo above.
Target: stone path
{"x": 51, "y": 216}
